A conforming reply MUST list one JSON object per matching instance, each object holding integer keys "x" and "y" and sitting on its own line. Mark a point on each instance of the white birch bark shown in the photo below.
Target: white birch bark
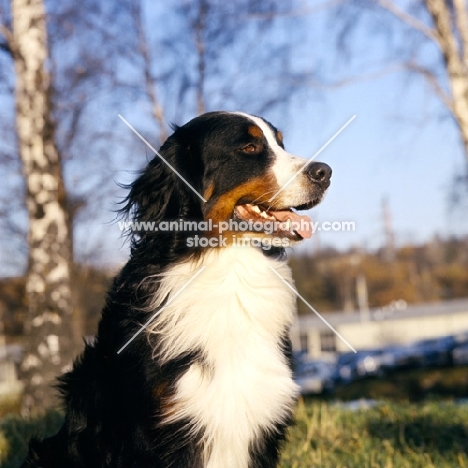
{"x": 452, "y": 39}
{"x": 48, "y": 327}
{"x": 450, "y": 33}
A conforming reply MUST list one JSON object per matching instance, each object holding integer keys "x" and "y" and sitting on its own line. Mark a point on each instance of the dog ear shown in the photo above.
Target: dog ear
{"x": 159, "y": 194}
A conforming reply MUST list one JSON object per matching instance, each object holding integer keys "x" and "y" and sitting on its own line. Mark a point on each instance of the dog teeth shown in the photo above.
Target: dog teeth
{"x": 264, "y": 215}
{"x": 256, "y": 209}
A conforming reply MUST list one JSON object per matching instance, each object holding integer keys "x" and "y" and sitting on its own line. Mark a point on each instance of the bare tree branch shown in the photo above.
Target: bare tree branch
{"x": 5, "y": 47}
{"x": 198, "y": 27}
{"x": 461, "y": 16}
{"x": 409, "y": 19}
{"x": 449, "y": 32}
{"x": 445, "y": 37}
{"x": 434, "y": 83}
{"x": 456, "y": 70}
{"x": 291, "y": 13}
{"x": 313, "y": 82}
{"x": 8, "y": 45}
{"x": 150, "y": 81}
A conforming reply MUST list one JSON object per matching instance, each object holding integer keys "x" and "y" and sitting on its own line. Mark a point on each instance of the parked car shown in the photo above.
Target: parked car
{"x": 314, "y": 377}
{"x": 370, "y": 363}
{"x": 460, "y": 354}
{"x": 299, "y": 359}
{"x": 345, "y": 364}
{"x": 437, "y": 351}
{"x": 424, "y": 353}
{"x": 351, "y": 366}
{"x": 400, "y": 357}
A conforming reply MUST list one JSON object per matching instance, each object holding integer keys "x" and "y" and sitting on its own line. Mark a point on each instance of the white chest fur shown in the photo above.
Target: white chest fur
{"x": 235, "y": 312}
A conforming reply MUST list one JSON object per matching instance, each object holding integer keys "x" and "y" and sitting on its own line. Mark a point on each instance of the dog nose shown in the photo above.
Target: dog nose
{"x": 320, "y": 173}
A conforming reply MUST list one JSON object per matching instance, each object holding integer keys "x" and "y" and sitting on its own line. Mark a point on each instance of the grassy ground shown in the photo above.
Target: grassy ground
{"x": 16, "y": 432}
{"x": 391, "y": 435}
{"x": 388, "y": 436}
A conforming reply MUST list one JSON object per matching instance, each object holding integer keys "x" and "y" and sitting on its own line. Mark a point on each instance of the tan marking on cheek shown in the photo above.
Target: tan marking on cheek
{"x": 163, "y": 394}
{"x": 257, "y": 190}
{"x": 161, "y": 390}
{"x": 208, "y": 192}
{"x": 255, "y": 131}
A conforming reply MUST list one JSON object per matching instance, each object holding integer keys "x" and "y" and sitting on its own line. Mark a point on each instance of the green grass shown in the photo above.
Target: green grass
{"x": 15, "y": 433}
{"x": 388, "y": 436}
{"x": 391, "y": 435}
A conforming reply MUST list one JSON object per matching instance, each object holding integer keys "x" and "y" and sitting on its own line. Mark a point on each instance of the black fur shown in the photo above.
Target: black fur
{"x": 114, "y": 401}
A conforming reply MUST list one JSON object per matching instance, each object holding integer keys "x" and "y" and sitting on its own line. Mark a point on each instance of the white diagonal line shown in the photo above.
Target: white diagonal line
{"x": 161, "y": 309}
{"x": 312, "y": 309}
{"x": 312, "y": 158}
{"x": 165, "y": 162}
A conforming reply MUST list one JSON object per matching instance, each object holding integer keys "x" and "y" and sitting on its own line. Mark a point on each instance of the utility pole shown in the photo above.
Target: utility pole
{"x": 389, "y": 247}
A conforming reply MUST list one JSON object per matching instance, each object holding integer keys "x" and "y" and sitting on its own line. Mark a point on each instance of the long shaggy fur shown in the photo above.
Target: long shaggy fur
{"x": 208, "y": 384}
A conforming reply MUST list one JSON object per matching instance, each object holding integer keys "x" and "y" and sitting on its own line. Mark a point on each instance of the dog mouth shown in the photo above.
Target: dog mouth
{"x": 280, "y": 223}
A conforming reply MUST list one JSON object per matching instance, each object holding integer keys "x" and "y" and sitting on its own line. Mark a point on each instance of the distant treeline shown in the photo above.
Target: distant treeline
{"x": 435, "y": 271}
{"x": 327, "y": 279}
{"x": 89, "y": 287}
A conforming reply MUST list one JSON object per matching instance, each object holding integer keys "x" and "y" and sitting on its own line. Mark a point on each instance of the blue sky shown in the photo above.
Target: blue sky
{"x": 402, "y": 145}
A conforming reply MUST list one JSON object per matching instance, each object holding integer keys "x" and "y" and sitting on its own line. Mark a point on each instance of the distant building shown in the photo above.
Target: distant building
{"x": 10, "y": 358}
{"x": 377, "y": 328}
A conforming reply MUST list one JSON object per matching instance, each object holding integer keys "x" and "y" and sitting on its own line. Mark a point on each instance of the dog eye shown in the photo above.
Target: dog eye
{"x": 249, "y": 148}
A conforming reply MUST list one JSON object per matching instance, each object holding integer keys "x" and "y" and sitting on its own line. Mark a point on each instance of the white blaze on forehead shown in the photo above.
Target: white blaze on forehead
{"x": 286, "y": 164}
{"x": 267, "y": 131}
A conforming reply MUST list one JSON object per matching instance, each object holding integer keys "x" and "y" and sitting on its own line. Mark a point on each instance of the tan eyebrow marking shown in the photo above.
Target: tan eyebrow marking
{"x": 279, "y": 135}
{"x": 255, "y": 131}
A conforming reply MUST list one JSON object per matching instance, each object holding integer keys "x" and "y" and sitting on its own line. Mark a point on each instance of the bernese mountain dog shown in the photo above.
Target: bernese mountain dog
{"x": 191, "y": 365}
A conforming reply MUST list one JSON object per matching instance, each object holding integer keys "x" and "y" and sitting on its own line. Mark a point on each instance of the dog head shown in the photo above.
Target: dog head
{"x": 223, "y": 167}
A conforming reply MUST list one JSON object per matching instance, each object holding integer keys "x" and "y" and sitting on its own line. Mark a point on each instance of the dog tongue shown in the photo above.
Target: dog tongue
{"x": 302, "y": 228}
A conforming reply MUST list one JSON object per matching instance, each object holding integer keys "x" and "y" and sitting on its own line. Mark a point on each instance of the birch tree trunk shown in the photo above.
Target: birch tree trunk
{"x": 48, "y": 327}
{"x": 452, "y": 38}
{"x": 449, "y": 31}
